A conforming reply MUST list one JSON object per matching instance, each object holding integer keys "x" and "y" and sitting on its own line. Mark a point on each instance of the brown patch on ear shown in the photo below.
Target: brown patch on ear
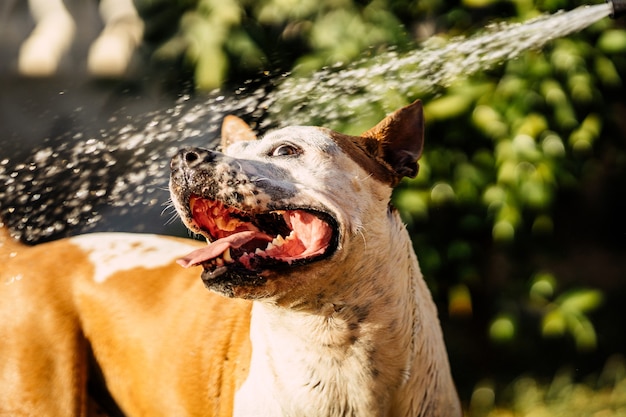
{"x": 235, "y": 130}
{"x": 363, "y": 151}
{"x": 398, "y": 140}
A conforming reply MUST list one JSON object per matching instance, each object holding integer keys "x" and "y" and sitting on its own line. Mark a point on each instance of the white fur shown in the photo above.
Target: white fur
{"x": 115, "y": 252}
{"x": 312, "y": 356}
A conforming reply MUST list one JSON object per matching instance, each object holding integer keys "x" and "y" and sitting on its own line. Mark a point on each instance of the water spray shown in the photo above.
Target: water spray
{"x": 619, "y": 8}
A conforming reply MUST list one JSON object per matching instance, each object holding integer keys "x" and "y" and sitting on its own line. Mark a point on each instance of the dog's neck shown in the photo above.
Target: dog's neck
{"x": 365, "y": 340}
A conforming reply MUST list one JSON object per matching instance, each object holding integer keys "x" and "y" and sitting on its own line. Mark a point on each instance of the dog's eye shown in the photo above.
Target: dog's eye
{"x": 286, "y": 150}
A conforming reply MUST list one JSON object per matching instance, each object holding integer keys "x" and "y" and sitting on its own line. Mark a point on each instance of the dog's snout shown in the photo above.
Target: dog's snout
{"x": 190, "y": 158}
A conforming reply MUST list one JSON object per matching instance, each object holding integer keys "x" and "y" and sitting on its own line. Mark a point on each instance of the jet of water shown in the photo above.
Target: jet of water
{"x": 428, "y": 69}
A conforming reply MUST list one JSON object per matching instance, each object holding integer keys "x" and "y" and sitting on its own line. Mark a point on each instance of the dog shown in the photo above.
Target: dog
{"x": 316, "y": 307}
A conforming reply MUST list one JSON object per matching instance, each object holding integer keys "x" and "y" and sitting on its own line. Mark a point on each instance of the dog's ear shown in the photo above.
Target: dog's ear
{"x": 235, "y": 130}
{"x": 400, "y": 139}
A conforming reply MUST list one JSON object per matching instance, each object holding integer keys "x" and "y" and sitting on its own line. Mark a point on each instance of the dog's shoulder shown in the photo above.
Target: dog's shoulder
{"x": 135, "y": 264}
{"x": 124, "y": 253}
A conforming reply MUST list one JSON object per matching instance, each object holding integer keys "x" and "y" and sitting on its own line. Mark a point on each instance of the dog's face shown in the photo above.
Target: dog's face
{"x": 282, "y": 211}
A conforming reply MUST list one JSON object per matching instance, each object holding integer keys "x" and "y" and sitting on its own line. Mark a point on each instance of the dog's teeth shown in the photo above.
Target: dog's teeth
{"x": 219, "y": 262}
{"x": 229, "y": 225}
{"x": 270, "y": 246}
{"x": 278, "y": 241}
{"x": 259, "y": 251}
{"x": 226, "y": 256}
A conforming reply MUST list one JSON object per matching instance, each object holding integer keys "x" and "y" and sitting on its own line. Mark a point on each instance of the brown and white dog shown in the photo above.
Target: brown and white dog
{"x": 317, "y": 305}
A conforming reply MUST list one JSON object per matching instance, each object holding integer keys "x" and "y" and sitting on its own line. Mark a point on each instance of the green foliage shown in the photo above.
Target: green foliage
{"x": 603, "y": 395}
{"x": 567, "y": 313}
{"x": 268, "y": 34}
{"x": 501, "y": 146}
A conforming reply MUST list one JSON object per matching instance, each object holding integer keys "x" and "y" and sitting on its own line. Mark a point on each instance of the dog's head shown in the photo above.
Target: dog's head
{"x": 282, "y": 211}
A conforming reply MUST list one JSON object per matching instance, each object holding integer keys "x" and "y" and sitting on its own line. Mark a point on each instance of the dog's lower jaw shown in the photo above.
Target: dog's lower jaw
{"x": 372, "y": 348}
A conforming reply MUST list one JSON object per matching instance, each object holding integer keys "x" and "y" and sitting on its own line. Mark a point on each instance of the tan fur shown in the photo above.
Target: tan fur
{"x": 166, "y": 345}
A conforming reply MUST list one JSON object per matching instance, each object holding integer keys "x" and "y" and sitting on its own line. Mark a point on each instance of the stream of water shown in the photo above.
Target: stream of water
{"x": 437, "y": 64}
{"x": 117, "y": 179}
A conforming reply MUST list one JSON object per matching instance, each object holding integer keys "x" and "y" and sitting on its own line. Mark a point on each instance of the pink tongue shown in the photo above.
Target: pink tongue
{"x": 215, "y": 249}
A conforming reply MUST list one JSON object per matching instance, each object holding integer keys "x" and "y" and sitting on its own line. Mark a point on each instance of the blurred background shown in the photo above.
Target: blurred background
{"x": 518, "y": 212}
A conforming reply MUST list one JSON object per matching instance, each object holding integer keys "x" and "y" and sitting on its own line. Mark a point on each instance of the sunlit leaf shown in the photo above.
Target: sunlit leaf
{"x": 613, "y": 41}
{"x": 459, "y": 301}
{"x": 582, "y": 301}
{"x": 553, "y": 324}
{"x": 502, "y": 328}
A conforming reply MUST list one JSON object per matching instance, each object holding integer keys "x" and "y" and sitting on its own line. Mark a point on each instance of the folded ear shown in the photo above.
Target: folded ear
{"x": 235, "y": 130}
{"x": 400, "y": 138}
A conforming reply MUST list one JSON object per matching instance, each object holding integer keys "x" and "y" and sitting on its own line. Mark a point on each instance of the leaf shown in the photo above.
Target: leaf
{"x": 613, "y": 41}
{"x": 581, "y": 301}
{"x": 543, "y": 286}
{"x": 502, "y": 328}
{"x": 553, "y": 324}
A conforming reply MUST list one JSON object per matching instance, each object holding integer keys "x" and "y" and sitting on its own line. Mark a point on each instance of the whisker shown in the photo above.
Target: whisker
{"x": 171, "y": 220}
{"x": 360, "y": 231}
{"x": 367, "y": 177}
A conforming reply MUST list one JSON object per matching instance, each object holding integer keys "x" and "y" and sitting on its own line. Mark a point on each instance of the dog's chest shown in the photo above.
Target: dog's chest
{"x": 290, "y": 377}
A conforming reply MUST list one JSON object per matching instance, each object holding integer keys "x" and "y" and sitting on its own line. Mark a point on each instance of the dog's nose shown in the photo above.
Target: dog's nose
{"x": 190, "y": 158}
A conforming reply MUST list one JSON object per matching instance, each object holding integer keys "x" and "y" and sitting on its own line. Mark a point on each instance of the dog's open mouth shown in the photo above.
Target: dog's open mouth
{"x": 257, "y": 241}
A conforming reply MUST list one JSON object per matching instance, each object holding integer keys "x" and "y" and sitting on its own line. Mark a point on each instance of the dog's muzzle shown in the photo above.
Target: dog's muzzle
{"x": 188, "y": 160}
{"x": 246, "y": 236}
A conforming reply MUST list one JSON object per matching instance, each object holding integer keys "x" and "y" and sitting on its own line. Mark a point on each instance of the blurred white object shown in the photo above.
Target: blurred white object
{"x": 42, "y": 51}
{"x": 111, "y": 53}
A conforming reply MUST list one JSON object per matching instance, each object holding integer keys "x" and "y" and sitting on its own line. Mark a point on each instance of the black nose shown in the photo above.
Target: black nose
{"x": 190, "y": 158}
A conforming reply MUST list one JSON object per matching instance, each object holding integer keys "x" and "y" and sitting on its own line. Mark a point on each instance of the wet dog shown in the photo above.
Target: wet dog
{"x": 316, "y": 307}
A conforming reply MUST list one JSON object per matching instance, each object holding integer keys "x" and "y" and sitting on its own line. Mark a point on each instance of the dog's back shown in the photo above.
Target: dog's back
{"x": 59, "y": 301}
